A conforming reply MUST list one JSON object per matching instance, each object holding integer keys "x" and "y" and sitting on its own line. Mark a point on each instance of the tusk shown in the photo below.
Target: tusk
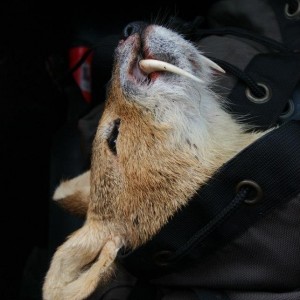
{"x": 213, "y": 65}
{"x": 152, "y": 65}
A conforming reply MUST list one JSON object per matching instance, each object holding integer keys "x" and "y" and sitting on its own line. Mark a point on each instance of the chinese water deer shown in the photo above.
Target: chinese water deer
{"x": 163, "y": 133}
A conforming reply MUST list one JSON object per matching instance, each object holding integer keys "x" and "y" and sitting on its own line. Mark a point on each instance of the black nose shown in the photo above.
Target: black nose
{"x": 134, "y": 27}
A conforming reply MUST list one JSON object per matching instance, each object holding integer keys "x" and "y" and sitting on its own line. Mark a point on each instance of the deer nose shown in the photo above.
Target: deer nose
{"x": 134, "y": 27}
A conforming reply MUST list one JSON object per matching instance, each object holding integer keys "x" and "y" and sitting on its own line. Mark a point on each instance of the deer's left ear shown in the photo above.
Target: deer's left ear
{"x": 74, "y": 194}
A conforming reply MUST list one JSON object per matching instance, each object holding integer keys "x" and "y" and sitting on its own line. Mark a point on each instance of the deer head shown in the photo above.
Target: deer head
{"x": 163, "y": 133}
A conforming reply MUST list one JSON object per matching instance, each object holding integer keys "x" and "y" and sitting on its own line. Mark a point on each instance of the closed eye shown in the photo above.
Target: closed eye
{"x": 113, "y": 136}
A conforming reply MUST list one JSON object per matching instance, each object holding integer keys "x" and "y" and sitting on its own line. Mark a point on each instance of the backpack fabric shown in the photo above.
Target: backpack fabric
{"x": 262, "y": 43}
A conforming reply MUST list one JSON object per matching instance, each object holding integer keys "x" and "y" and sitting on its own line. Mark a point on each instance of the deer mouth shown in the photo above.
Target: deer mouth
{"x": 147, "y": 58}
{"x": 139, "y": 53}
{"x": 145, "y": 67}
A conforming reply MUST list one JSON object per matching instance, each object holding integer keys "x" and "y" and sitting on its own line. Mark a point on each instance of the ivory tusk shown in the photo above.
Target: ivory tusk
{"x": 152, "y": 65}
{"x": 213, "y": 65}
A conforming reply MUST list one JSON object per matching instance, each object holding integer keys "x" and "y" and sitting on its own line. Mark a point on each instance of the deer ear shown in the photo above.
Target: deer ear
{"x": 82, "y": 263}
{"x": 74, "y": 194}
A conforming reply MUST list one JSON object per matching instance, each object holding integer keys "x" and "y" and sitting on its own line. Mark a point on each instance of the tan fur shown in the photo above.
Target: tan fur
{"x": 74, "y": 195}
{"x": 73, "y": 270}
{"x": 158, "y": 167}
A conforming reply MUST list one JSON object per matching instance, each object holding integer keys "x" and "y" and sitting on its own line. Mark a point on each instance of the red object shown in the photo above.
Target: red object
{"x": 83, "y": 74}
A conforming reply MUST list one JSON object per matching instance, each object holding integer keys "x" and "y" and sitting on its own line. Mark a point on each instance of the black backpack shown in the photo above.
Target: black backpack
{"x": 239, "y": 237}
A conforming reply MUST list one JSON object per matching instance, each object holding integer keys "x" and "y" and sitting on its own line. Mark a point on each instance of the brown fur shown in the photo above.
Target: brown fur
{"x": 75, "y": 205}
{"x": 74, "y": 195}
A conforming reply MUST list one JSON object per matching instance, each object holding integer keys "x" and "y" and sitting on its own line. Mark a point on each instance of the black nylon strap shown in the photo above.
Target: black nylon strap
{"x": 273, "y": 162}
{"x": 272, "y": 70}
{"x": 277, "y": 69}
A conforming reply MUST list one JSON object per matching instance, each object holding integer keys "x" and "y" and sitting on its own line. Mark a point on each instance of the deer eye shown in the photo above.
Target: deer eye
{"x": 113, "y": 136}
